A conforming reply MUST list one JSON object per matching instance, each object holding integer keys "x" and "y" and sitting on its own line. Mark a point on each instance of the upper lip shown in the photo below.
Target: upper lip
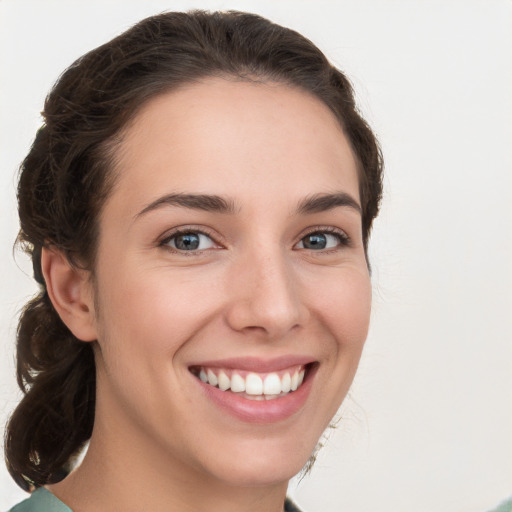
{"x": 256, "y": 364}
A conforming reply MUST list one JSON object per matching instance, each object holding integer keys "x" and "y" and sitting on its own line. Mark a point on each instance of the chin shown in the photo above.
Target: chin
{"x": 264, "y": 465}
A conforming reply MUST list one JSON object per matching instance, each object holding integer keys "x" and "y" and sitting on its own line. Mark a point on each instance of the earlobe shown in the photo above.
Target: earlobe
{"x": 70, "y": 291}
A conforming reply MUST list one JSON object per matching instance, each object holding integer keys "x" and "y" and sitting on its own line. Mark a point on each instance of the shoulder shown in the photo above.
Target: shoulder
{"x": 289, "y": 506}
{"x": 41, "y": 500}
{"x": 506, "y": 506}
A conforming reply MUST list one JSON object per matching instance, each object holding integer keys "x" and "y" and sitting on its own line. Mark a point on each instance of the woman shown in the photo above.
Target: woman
{"x": 197, "y": 207}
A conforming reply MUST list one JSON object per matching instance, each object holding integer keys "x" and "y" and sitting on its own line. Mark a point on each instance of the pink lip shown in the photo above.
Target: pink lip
{"x": 255, "y": 364}
{"x": 264, "y": 411}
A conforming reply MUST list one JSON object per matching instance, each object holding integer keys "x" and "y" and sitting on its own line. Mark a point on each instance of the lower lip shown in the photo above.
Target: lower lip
{"x": 260, "y": 411}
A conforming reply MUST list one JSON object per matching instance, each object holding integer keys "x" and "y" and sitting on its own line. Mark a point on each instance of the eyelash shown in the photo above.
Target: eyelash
{"x": 185, "y": 231}
{"x": 343, "y": 239}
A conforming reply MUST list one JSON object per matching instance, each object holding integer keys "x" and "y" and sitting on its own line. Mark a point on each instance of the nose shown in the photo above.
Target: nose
{"x": 265, "y": 296}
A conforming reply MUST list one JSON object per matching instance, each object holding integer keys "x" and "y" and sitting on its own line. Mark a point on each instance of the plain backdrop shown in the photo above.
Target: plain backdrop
{"x": 428, "y": 424}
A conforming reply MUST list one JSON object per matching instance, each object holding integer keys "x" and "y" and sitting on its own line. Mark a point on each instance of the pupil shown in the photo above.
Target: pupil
{"x": 187, "y": 242}
{"x": 315, "y": 241}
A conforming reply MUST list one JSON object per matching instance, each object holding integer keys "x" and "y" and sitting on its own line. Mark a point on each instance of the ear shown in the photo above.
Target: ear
{"x": 71, "y": 293}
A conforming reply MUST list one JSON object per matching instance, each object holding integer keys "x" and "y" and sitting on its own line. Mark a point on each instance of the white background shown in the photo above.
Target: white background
{"x": 428, "y": 425}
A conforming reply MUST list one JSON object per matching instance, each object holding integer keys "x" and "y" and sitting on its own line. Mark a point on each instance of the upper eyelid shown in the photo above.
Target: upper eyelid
{"x": 179, "y": 230}
{"x": 324, "y": 229}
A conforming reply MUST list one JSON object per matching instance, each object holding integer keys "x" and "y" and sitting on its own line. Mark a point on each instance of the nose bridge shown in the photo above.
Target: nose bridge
{"x": 267, "y": 298}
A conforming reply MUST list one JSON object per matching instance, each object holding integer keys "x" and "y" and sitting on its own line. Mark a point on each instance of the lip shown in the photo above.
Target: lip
{"x": 256, "y": 411}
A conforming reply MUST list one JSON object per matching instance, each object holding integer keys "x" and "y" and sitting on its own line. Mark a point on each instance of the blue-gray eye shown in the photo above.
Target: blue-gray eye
{"x": 191, "y": 241}
{"x": 319, "y": 241}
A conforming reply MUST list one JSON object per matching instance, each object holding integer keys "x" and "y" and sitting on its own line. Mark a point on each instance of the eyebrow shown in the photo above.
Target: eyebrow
{"x": 213, "y": 203}
{"x": 323, "y": 202}
{"x": 205, "y": 202}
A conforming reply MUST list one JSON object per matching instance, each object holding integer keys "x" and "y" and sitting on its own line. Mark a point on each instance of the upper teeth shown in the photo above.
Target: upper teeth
{"x": 253, "y": 383}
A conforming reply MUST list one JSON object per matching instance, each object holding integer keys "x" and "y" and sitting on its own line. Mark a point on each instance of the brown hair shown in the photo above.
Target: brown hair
{"x": 66, "y": 178}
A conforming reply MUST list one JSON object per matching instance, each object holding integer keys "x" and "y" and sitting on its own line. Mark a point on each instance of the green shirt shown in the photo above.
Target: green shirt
{"x": 506, "y": 506}
{"x": 42, "y": 500}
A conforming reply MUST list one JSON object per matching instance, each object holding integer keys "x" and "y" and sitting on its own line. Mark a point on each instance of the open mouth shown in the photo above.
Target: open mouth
{"x": 254, "y": 385}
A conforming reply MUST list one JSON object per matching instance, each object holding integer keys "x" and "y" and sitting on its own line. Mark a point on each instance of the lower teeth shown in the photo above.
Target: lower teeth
{"x": 263, "y": 397}
{"x": 260, "y": 397}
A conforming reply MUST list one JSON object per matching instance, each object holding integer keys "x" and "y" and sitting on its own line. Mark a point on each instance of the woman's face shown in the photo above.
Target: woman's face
{"x": 230, "y": 250}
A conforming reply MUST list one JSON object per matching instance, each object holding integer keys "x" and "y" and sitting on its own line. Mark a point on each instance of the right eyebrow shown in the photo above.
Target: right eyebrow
{"x": 205, "y": 202}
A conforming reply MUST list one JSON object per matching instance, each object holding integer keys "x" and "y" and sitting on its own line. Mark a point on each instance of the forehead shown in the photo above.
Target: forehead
{"x": 227, "y": 137}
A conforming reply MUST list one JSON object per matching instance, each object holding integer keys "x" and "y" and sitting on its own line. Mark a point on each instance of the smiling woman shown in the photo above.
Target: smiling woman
{"x": 197, "y": 207}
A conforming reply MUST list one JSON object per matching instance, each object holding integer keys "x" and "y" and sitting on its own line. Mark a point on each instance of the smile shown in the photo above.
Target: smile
{"x": 252, "y": 385}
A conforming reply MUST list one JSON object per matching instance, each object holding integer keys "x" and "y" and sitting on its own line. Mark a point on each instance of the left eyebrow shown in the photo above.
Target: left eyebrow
{"x": 323, "y": 202}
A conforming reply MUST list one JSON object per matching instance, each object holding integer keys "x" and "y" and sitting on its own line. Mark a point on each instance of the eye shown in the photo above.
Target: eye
{"x": 321, "y": 240}
{"x": 189, "y": 241}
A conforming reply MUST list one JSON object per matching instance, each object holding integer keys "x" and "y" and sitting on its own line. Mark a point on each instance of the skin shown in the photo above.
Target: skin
{"x": 159, "y": 443}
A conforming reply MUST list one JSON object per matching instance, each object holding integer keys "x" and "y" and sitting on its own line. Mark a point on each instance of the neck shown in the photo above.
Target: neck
{"x": 128, "y": 472}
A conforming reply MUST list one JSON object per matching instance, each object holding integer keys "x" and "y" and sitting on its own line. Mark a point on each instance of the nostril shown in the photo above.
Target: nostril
{"x": 269, "y": 319}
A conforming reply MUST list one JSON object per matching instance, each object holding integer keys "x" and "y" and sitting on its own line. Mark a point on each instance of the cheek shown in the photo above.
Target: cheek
{"x": 344, "y": 306}
{"x": 146, "y": 320}
{"x": 155, "y": 312}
